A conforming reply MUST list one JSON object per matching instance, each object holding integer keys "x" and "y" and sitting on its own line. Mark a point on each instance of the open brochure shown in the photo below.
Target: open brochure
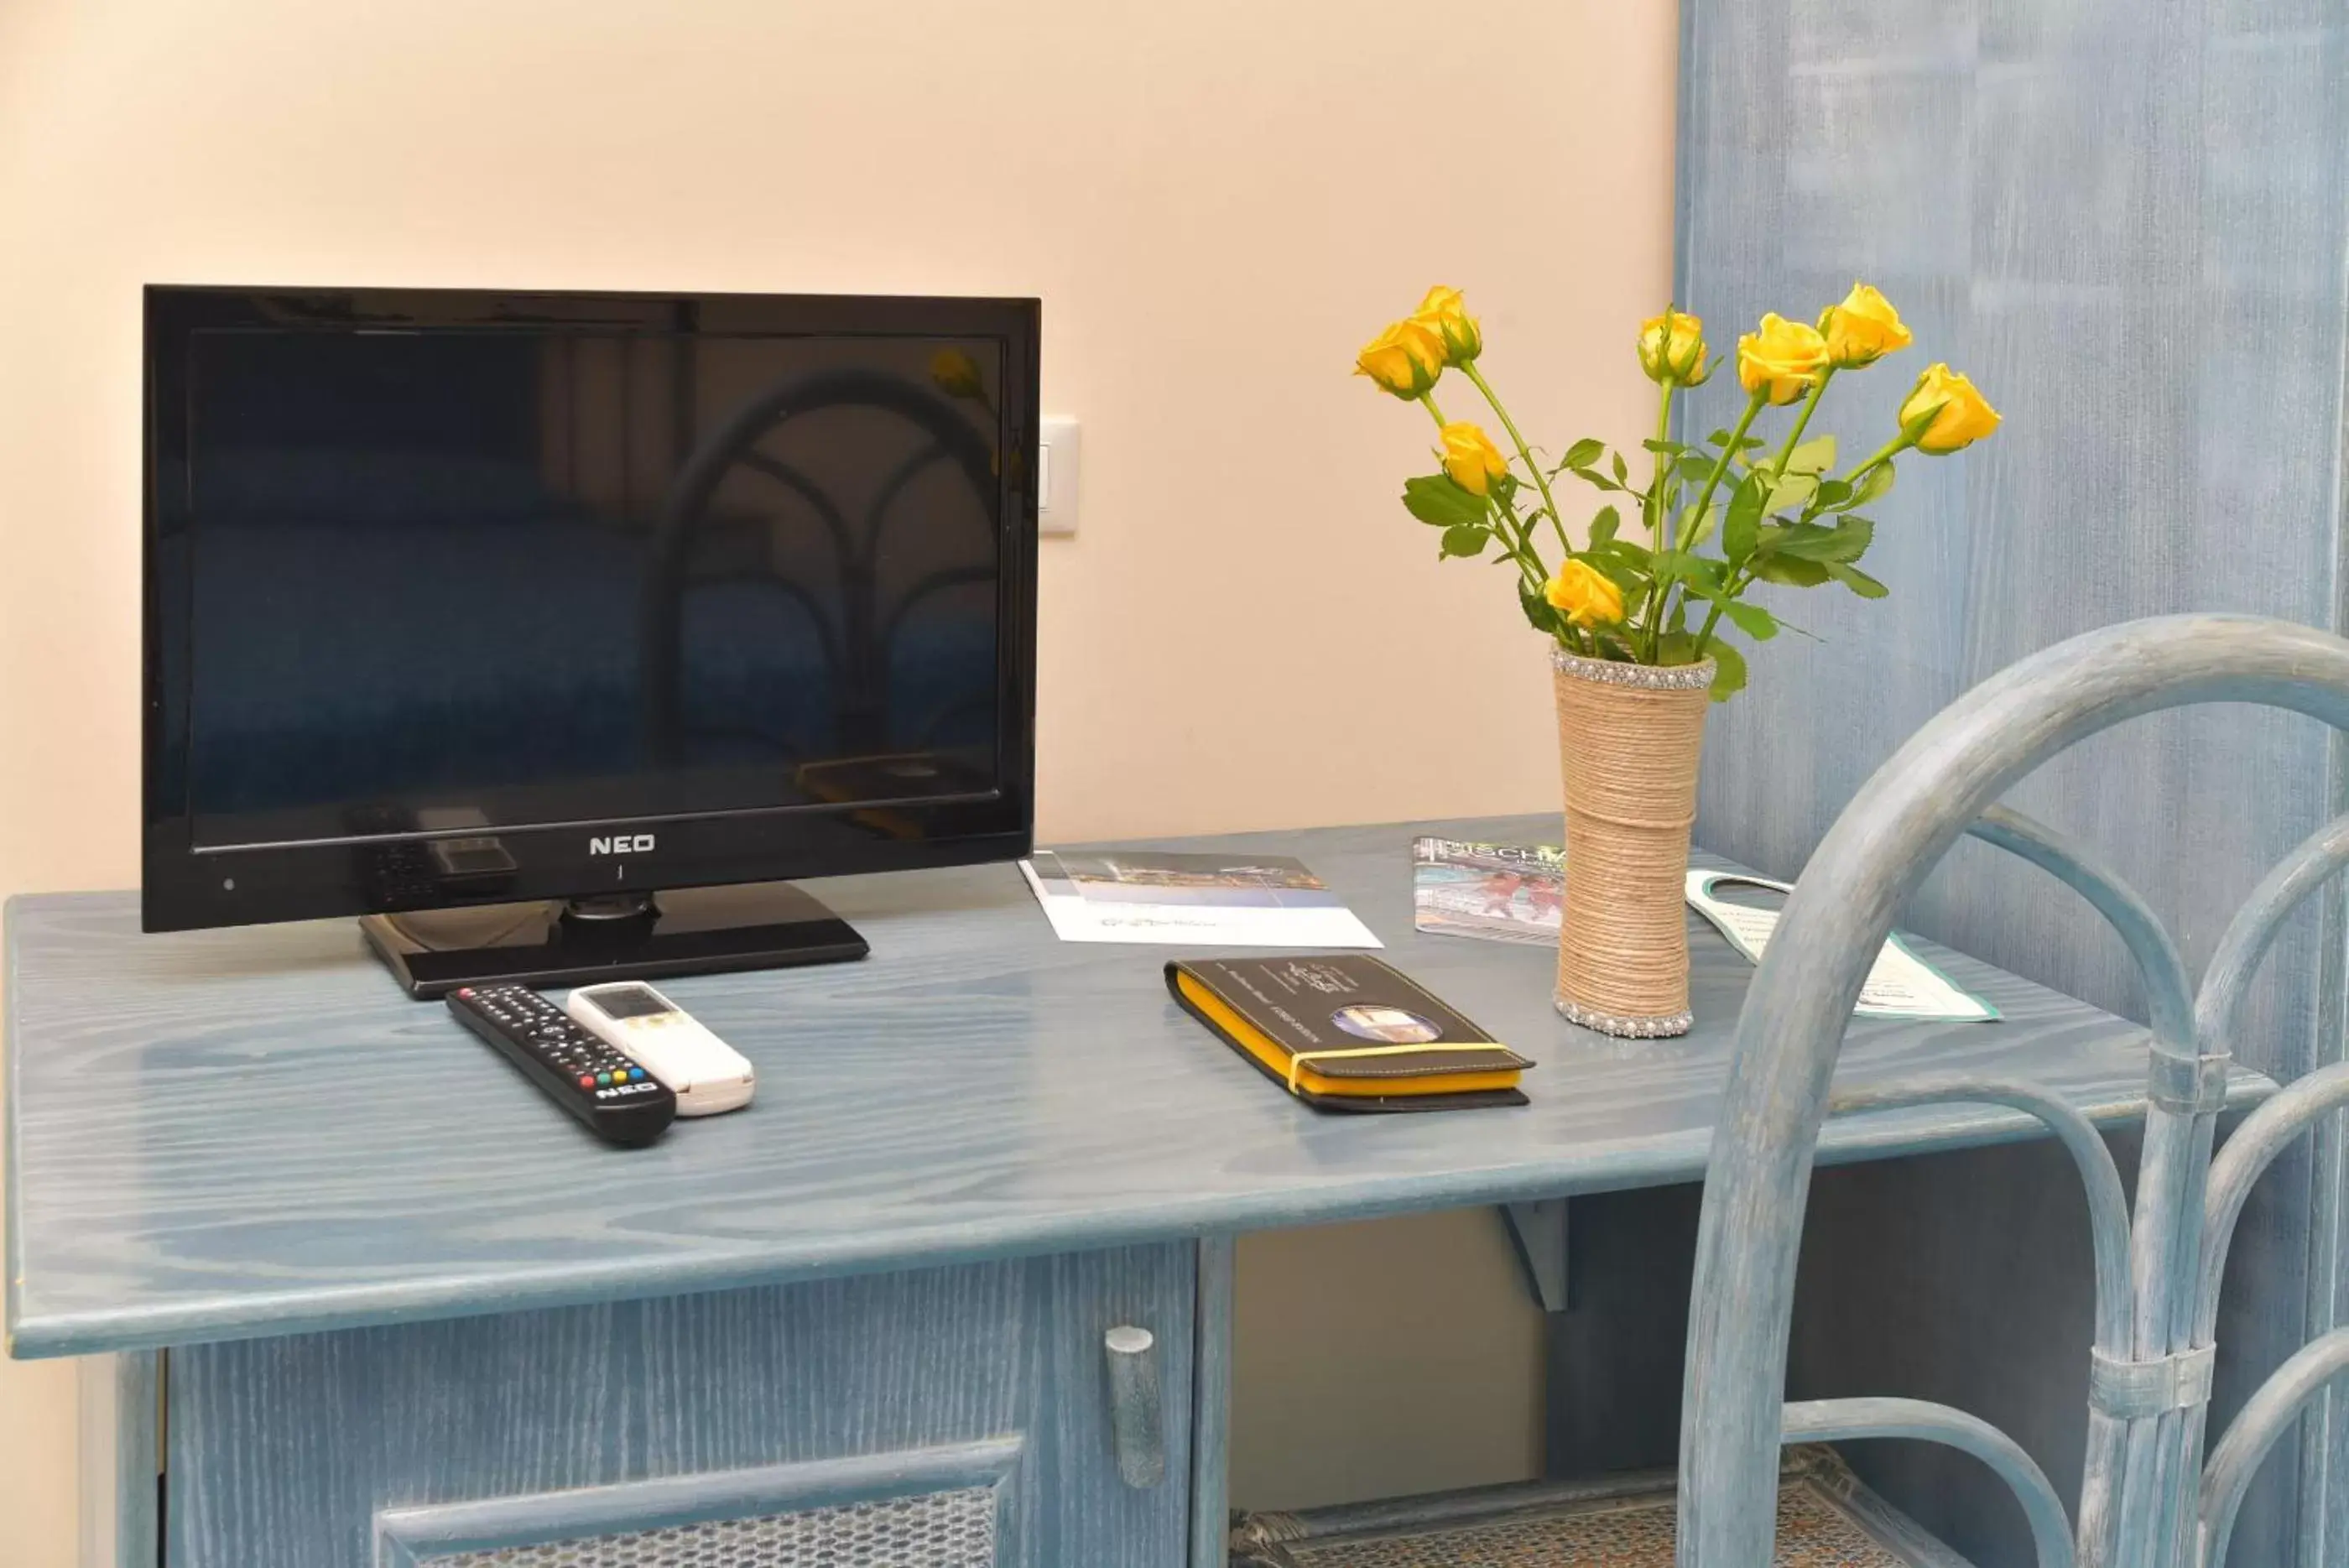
{"x": 1242, "y": 900}
{"x": 1899, "y": 984}
{"x": 1514, "y": 893}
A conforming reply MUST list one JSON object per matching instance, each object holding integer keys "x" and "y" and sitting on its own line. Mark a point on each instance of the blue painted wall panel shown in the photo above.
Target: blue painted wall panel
{"x": 2125, "y": 220}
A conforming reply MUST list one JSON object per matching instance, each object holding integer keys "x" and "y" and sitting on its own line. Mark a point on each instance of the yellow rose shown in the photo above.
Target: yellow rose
{"x": 1405, "y": 358}
{"x": 1587, "y": 594}
{"x": 1672, "y": 345}
{"x": 1863, "y": 329}
{"x": 957, "y": 374}
{"x": 1471, "y": 458}
{"x": 1964, "y": 416}
{"x": 1442, "y": 310}
{"x": 1782, "y": 359}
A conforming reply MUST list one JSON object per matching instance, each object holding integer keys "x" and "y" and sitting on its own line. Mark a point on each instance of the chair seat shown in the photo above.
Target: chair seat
{"x": 1826, "y": 1518}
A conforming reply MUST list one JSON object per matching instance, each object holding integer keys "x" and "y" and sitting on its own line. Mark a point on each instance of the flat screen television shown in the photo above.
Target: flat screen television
{"x": 550, "y": 632}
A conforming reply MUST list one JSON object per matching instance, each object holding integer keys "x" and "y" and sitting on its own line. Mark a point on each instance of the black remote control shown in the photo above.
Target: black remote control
{"x": 619, "y": 1101}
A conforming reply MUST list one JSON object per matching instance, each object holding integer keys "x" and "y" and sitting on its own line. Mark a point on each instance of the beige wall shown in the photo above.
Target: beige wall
{"x": 1217, "y": 198}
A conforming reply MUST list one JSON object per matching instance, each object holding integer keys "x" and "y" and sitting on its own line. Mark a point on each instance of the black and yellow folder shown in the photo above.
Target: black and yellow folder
{"x": 1343, "y": 1032}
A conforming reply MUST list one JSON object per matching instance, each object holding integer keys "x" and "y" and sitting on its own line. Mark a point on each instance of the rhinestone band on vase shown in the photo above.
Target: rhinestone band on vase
{"x": 1652, "y": 677}
{"x": 1655, "y": 1027}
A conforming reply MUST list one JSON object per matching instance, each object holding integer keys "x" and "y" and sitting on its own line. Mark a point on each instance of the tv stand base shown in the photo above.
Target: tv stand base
{"x": 694, "y": 931}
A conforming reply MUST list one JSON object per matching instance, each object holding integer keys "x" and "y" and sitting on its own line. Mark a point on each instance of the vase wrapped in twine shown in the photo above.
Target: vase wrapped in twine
{"x": 1628, "y": 738}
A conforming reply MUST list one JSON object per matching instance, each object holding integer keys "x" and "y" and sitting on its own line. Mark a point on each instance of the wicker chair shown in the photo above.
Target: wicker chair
{"x": 2148, "y": 1498}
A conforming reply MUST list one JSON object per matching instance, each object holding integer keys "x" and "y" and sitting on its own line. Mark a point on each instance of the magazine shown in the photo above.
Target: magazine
{"x": 1514, "y": 893}
{"x": 1244, "y": 900}
{"x": 1503, "y": 892}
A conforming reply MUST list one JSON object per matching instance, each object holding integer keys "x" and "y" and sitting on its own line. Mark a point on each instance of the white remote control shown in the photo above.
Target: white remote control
{"x": 705, "y": 1074}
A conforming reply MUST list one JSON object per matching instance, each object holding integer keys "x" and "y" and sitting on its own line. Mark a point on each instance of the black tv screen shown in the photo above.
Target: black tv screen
{"x": 450, "y": 592}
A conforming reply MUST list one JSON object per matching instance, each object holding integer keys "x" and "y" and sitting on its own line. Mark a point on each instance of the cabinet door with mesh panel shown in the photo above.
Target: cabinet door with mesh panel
{"x": 959, "y": 1418}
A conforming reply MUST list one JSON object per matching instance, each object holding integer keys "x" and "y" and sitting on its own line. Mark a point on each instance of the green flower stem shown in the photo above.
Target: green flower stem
{"x": 1574, "y": 638}
{"x": 1659, "y": 514}
{"x": 1795, "y": 436}
{"x": 1549, "y": 502}
{"x": 1541, "y": 480}
{"x": 1519, "y": 548}
{"x": 1721, "y": 466}
{"x": 1737, "y": 583}
{"x": 1713, "y": 482}
{"x": 1659, "y": 521}
{"x": 1733, "y": 587}
{"x": 1885, "y": 454}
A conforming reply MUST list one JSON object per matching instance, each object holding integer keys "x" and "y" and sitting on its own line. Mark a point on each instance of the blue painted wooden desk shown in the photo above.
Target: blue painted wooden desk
{"x": 419, "y": 1315}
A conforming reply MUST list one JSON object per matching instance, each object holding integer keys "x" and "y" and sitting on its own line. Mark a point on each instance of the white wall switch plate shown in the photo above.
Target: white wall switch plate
{"x": 1057, "y": 447}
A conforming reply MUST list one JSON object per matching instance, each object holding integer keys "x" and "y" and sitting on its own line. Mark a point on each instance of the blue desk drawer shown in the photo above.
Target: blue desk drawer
{"x": 955, "y": 1418}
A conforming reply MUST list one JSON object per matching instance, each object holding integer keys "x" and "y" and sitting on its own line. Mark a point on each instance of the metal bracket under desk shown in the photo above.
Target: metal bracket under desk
{"x": 1538, "y": 1232}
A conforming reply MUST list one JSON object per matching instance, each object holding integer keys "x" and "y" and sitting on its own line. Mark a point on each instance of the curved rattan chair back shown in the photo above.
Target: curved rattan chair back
{"x": 2147, "y": 1498}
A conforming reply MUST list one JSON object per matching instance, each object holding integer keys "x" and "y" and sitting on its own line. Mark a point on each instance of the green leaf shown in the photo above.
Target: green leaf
{"x": 1693, "y": 468}
{"x": 1603, "y": 526}
{"x": 1846, "y": 541}
{"x": 1465, "y": 539}
{"x": 1814, "y": 456}
{"x": 1857, "y": 581}
{"x": 1593, "y": 477}
{"x": 1668, "y": 448}
{"x": 1728, "y": 671}
{"x": 1693, "y": 534}
{"x": 1872, "y": 484}
{"x": 1537, "y": 609}
{"x": 1628, "y": 553}
{"x": 1622, "y": 471}
{"x": 1676, "y": 647}
{"x": 1752, "y": 619}
{"x": 1628, "y": 578}
{"x": 1791, "y": 570}
{"x": 1438, "y": 499}
{"x": 1740, "y": 531}
{"x": 1583, "y": 453}
{"x": 1504, "y": 488}
{"x": 1833, "y": 493}
{"x": 1697, "y": 571}
{"x": 1793, "y": 490}
{"x": 1721, "y": 438}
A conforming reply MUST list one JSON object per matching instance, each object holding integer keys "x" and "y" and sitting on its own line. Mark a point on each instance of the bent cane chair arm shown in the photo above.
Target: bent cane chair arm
{"x": 1841, "y": 1420}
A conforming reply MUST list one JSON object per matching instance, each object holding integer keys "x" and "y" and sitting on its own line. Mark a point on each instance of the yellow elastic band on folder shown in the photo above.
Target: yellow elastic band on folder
{"x": 1302, "y": 1059}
